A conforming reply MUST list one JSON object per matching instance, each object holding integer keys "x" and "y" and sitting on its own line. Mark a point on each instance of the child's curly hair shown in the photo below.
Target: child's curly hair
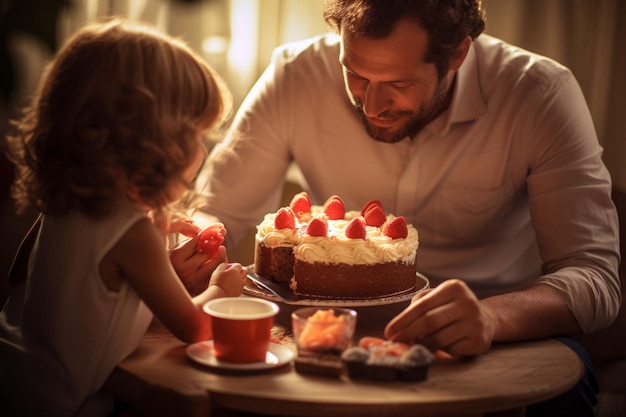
{"x": 119, "y": 109}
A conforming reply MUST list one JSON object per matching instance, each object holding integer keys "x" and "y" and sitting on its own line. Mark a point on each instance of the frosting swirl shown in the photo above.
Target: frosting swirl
{"x": 336, "y": 247}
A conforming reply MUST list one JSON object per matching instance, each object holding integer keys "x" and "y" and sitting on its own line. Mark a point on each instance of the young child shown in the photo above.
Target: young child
{"x": 114, "y": 135}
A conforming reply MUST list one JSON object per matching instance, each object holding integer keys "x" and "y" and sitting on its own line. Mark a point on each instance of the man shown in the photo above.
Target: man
{"x": 489, "y": 150}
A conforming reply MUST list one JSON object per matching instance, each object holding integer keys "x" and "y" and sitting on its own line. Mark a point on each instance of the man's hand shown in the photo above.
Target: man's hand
{"x": 449, "y": 318}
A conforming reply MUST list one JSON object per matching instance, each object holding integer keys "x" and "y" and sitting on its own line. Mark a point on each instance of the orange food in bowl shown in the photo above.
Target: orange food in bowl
{"x": 324, "y": 330}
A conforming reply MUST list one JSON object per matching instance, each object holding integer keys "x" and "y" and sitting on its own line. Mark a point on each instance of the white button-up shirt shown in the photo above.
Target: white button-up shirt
{"x": 506, "y": 187}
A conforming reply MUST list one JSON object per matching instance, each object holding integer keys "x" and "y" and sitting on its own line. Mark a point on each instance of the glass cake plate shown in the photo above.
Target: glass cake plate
{"x": 260, "y": 290}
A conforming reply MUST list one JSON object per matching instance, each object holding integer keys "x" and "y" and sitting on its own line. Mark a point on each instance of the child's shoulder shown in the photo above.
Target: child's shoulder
{"x": 81, "y": 227}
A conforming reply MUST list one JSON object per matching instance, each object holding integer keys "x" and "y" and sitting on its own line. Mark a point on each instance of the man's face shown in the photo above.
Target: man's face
{"x": 395, "y": 92}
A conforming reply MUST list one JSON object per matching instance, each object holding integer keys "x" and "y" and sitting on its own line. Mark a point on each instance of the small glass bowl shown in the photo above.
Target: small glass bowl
{"x": 323, "y": 330}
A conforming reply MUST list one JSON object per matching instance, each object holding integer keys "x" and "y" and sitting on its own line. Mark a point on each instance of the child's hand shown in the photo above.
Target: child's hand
{"x": 230, "y": 278}
{"x": 195, "y": 269}
{"x": 184, "y": 226}
{"x": 167, "y": 223}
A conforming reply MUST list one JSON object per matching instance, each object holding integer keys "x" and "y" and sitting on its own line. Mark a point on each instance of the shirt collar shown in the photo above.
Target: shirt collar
{"x": 467, "y": 100}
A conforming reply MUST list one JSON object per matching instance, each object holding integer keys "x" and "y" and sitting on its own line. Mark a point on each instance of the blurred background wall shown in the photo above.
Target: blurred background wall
{"x": 237, "y": 36}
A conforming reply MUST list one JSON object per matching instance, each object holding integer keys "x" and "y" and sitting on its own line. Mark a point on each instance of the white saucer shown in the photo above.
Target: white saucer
{"x": 202, "y": 353}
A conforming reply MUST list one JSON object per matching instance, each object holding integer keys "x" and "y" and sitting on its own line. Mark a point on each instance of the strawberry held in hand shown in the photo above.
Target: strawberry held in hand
{"x": 210, "y": 239}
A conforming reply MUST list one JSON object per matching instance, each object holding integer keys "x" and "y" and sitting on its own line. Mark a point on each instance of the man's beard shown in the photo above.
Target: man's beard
{"x": 416, "y": 119}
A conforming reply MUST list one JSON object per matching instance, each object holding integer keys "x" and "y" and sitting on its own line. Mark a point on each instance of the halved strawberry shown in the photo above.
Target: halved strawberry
{"x": 356, "y": 228}
{"x": 285, "y": 219}
{"x": 334, "y": 208}
{"x": 396, "y": 349}
{"x": 368, "y": 204}
{"x": 210, "y": 239}
{"x": 301, "y": 206}
{"x": 374, "y": 215}
{"x": 318, "y": 226}
{"x": 396, "y": 228}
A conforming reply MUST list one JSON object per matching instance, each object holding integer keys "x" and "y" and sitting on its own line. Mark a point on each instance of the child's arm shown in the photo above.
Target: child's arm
{"x": 226, "y": 281}
{"x": 141, "y": 258}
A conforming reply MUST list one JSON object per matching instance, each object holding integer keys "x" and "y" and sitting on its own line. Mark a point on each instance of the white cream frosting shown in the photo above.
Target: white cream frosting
{"x": 336, "y": 247}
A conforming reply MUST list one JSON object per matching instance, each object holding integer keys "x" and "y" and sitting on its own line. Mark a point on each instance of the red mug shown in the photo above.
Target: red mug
{"x": 242, "y": 327}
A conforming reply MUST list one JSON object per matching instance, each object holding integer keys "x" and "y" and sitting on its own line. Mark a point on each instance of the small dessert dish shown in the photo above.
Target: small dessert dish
{"x": 382, "y": 360}
{"x": 320, "y": 365}
{"x": 321, "y": 336}
{"x": 323, "y": 330}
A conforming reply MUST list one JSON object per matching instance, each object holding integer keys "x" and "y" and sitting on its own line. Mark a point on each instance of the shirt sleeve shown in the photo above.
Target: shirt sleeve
{"x": 569, "y": 191}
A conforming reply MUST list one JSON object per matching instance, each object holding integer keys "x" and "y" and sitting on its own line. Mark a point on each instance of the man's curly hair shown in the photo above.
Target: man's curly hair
{"x": 447, "y": 22}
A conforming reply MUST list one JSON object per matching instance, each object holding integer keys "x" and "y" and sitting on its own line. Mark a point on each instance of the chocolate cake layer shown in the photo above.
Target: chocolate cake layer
{"x": 341, "y": 280}
{"x": 274, "y": 263}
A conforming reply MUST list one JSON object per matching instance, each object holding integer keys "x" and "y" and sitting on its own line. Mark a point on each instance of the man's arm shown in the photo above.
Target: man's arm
{"x": 452, "y": 319}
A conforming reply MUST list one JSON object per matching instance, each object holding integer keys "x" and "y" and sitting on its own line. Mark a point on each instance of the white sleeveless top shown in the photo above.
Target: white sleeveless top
{"x": 62, "y": 332}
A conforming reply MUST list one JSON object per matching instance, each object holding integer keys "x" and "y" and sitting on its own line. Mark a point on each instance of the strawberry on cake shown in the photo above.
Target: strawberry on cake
{"x": 328, "y": 252}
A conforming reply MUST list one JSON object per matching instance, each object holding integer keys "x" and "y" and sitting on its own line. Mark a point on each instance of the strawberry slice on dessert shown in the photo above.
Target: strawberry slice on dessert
{"x": 210, "y": 239}
{"x": 383, "y": 346}
{"x": 369, "y": 341}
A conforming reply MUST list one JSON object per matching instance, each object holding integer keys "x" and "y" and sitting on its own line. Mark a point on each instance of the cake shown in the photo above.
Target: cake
{"x": 328, "y": 252}
{"x": 354, "y": 359}
{"x": 382, "y": 360}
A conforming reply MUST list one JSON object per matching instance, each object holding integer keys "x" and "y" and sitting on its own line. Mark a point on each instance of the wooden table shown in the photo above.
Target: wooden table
{"x": 158, "y": 379}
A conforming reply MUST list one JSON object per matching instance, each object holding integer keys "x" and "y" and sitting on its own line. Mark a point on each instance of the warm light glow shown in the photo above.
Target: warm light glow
{"x": 215, "y": 45}
{"x": 242, "y": 53}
